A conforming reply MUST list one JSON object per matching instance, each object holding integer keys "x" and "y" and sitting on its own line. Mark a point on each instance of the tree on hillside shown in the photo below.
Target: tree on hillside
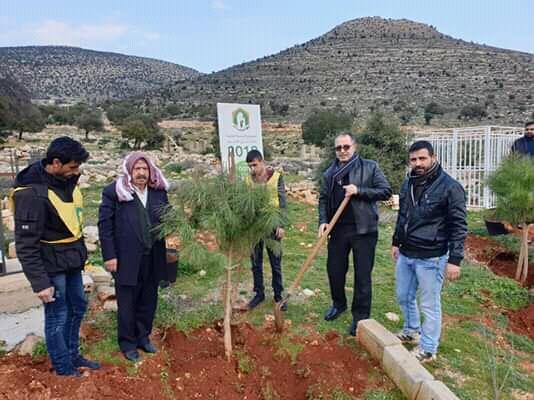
{"x": 30, "y": 120}
{"x": 135, "y": 129}
{"x": 322, "y": 124}
{"x": 17, "y": 113}
{"x": 382, "y": 140}
{"x": 473, "y": 111}
{"x": 90, "y": 121}
{"x": 118, "y": 112}
{"x": 142, "y": 128}
{"x": 431, "y": 110}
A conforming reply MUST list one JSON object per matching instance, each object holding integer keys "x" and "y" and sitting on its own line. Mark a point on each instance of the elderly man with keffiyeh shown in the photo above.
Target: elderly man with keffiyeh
{"x": 132, "y": 249}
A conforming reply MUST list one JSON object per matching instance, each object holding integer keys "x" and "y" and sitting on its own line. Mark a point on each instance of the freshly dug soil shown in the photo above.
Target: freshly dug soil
{"x": 522, "y": 321}
{"x": 502, "y": 262}
{"x": 265, "y": 366}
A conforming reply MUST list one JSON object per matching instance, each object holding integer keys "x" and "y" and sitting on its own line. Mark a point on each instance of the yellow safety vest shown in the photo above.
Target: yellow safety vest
{"x": 71, "y": 213}
{"x": 272, "y": 186}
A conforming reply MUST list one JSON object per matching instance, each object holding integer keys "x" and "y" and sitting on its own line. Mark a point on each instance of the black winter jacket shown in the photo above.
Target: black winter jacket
{"x": 434, "y": 225}
{"x": 372, "y": 187}
{"x": 520, "y": 146}
{"x": 36, "y": 219}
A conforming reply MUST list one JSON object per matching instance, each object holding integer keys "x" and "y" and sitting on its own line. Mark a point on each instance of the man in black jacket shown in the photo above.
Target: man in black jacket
{"x": 50, "y": 246}
{"x": 356, "y": 229}
{"x": 428, "y": 244}
{"x": 525, "y": 145}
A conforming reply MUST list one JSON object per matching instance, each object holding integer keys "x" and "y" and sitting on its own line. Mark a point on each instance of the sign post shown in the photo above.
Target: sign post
{"x": 239, "y": 132}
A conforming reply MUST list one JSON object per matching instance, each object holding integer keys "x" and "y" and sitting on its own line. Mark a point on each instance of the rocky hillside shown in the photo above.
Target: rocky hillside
{"x": 72, "y": 74}
{"x": 398, "y": 66}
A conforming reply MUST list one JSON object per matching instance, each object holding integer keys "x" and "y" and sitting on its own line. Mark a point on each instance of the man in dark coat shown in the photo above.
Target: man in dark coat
{"x": 525, "y": 145}
{"x": 133, "y": 252}
{"x": 48, "y": 209}
{"x": 428, "y": 245}
{"x": 357, "y": 228}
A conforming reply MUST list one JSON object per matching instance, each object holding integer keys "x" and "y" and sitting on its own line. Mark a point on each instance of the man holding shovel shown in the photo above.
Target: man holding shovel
{"x": 357, "y": 228}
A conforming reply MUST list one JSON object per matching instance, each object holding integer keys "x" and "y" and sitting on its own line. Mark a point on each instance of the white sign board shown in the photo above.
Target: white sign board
{"x": 239, "y": 132}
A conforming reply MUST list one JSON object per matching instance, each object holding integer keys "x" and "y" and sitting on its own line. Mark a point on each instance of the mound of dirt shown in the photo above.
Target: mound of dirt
{"x": 265, "y": 365}
{"x": 501, "y": 261}
{"x": 522, "y": 321}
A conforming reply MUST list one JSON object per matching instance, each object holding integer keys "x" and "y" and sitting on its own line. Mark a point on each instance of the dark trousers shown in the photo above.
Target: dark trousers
{"x": 343, "y": 239}
{"x": 137, "y": 307}
{"x": 63, "y": 318}
{"x": 257, "y": 270}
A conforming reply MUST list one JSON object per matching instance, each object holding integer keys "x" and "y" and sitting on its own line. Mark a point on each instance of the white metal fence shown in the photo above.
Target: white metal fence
{"x": 470, "y": 155}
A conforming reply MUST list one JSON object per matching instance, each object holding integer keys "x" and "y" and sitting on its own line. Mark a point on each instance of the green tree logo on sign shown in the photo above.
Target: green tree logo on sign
{"x": 240, "y": 119}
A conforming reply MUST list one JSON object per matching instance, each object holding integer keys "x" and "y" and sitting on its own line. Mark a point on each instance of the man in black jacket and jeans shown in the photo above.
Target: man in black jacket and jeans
{"x": 428, "y": 244}
{"x": 356, "y": 229}
{"x": 49, "y": 240}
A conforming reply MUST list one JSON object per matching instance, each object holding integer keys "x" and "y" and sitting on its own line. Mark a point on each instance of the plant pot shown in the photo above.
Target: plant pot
{"x": 495, "y": 227}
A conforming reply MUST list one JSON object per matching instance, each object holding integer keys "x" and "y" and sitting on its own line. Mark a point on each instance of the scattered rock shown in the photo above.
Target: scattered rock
{"x": 392, "y": 317}
{"x": 91, "y": 247}
{"x": 88, "y": 283}
{"x": 12, "y": 251}
{"x": 110, "y": 305}
{"x": 105, "y": 293}
{"x": 27, "y": 346}
{"x": 90, "y": 233}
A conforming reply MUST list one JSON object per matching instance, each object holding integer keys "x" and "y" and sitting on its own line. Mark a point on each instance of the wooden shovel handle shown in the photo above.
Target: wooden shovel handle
{"x": 318, "y": 245}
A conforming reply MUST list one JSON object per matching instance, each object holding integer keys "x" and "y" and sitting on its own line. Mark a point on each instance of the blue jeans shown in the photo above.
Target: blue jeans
{"x": 426, "y": 275}
{"x": 63, "y": 318}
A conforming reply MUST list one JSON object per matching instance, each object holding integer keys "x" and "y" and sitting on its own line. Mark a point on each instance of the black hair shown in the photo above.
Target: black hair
{"x": 66, "y": 149}
{"x": 420, "y": 145}
{"x": 254, "y": 155}
{"x": 528, "y": 123}
{"x": 346, "y": 133}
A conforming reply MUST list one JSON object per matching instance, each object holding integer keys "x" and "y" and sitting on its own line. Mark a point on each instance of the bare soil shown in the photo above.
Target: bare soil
{"x": 265, "y": 366}
{"x": 501, "y": 261}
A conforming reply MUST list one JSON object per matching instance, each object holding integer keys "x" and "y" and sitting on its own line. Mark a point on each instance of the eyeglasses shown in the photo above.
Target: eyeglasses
{"x": 345, "y": 147}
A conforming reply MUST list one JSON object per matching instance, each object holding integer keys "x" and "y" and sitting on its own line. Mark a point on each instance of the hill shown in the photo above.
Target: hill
{"x": 366, "y": 64}
{"x": 73, "y": 74}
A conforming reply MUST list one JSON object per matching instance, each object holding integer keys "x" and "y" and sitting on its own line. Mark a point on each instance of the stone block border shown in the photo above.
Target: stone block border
{"x": 408, "y": 374}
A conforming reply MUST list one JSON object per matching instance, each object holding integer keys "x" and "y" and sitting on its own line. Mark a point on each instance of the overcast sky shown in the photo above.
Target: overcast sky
{"x": 210, "y": 35}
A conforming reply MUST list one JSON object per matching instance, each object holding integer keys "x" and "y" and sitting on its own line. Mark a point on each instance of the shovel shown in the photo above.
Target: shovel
{"x": 278, "y": 314}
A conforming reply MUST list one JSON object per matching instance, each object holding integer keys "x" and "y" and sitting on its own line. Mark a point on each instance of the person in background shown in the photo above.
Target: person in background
{"x": 525, "y": 145}
{"x": 260, "y": 174}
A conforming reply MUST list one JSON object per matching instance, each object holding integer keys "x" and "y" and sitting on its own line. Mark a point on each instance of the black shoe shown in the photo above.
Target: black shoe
{"x": 353, "y": 327}
{"x": 332, "y": 313}
{"x": 131, "y": 355}
{"x": 278, "y": 299}
{"x": 71, "y": 372}
{"x": 256, "y": 300}
{"x": 81, "y": 362}
{"x": 148, "y": 347}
